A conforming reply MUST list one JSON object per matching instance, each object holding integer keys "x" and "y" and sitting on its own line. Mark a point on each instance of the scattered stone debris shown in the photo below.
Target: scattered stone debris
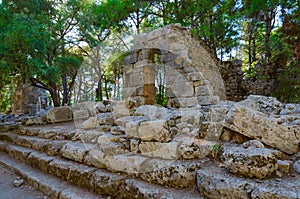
{"x": 18, "y": 182}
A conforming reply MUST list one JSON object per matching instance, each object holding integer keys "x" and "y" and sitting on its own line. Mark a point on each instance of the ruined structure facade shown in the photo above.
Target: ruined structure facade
{"x": 28, "y": 99}
{"x": 191, "y": 76}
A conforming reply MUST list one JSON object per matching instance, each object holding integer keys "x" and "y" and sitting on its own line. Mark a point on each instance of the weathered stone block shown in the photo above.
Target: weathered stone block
{"x": 105, "y": 118}
{"x": 74, "y": 151}
{"x": 182, "y": 89}
{"x": 156, "y": 130}
{"x": 251, "y": 162}
{"x": 80, "y": 114}
{"x": 132, "y": 129}
{"x": 90, "y": 123}
{"x": 257, "y": 125}
{"x": 59, "y": 114}
{"x": 159, "y": 150}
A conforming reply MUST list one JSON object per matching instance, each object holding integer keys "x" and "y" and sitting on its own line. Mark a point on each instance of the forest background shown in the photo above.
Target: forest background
{"x": 74, "y": 49}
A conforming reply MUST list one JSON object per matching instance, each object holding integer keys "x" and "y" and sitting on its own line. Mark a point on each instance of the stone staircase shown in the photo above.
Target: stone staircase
{"x": 47, "y": 157}
{"x": 51, "y": 159}
{"x": 152, "y": 152}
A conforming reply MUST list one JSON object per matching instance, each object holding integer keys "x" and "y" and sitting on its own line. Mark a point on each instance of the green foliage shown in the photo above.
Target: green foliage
{"x": 288, "y": 85}
{"x": 161, "y": 99}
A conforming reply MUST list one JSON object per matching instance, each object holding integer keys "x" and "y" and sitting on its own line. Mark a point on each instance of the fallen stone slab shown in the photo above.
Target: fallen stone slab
{"x": 257, "y": 125}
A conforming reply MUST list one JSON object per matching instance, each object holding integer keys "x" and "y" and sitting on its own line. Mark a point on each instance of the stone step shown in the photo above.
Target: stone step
{"x": 48, "y": 146}
{"x": 97, "y": 180}
{"x": 170, "y": 173}
{"x": 214, "y": 182}
{"x": 50, "y": 185}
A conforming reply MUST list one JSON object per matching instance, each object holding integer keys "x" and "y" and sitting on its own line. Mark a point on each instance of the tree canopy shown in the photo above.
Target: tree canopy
{"x": 44, "y": 42}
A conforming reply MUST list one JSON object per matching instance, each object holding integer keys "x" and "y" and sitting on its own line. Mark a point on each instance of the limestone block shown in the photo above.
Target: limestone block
{"x": 121, "y": 122}
{"x": 59, "y": 114}
{"x": 105, "y": 119}
{"x": 29, "y": 121}
{"x": 110, "y": 148}
{"x": 182, "y": 89}
{"x": 251, "y": 162}
{"x": 149, "y": 74}
{"x": 90, "y": 106}
{"x": 151, "y": 111}
{"x": 177, "y": 47}
{"x": 130, "y": 164}
{"x": 132, "y": 129}
{"x": 101, "y": 108}
{"x": 80, "y": 114}
{"x": 159, "y": 150}
{"x": 134, "y": 145}
{"x": 156, "y": 130}
{"x": 177, "y": 174}
{"x": 284, "y": 166}
{"x": 188, "y": 150}
{"x": 253, "y": 143}
{"x": 257, "y": 125}
{"x": 205, "y": 100}
{"x": 123, "y": 108}
{"x": 202, "y": 90}
{"x": 90, "y": 123}
{"x": 187, "y": 102}
{"x": 193, "y": 116}
{"x": 214, "y": 185}
{"x": 95, "y": 157}
{"x": 106, "y": 183}
{"x": 74, "y": 151}
{"x": 296, "y": 166}
{"x": 129, "y": 92}
{"x": 135, "y": 80}
{"x": 214, "y": 130}
{"x": 117, "y": 130}
{"x": 89, "y": 136}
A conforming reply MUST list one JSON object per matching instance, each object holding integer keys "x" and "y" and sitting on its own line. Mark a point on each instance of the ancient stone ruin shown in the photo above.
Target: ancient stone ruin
{"x": 192, "y": 76}
{"x": 136, "y": 149}
{"x": 28, "y": 99}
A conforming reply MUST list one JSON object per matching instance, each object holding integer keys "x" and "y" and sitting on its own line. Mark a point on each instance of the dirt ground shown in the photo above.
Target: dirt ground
{"x": 9, "y": 191}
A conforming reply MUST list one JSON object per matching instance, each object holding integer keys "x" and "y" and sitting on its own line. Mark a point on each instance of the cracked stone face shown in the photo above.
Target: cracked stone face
{"x": 258, "y": 163}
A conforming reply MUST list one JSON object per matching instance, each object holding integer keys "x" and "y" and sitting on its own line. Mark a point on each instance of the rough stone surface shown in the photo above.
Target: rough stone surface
{"x": 74, "y": 151}
{"x": 59, "y": 114}
{"x": 123, "y": 108}
{"x": 253, "y": 143}
{"x": 251, "y": 162}
{"x": 296, "y": 166}
{"x": 159, "y": 150}
{"x": 186, "y": 61}
{"x": 151, "y": 111}
{"x": 88, "y": 106}
{"x": 156, "y": 130}
{"x": 256, "y": 125}
{"x": 80, "y": 114}
{"x": 217, "y": 185}
{"x": 284, "y": 166}
{"x": 90, "y": 123}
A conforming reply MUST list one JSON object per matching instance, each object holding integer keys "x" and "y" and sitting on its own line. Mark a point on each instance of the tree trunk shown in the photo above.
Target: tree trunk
{"x": 99, "y": 89}
{"x": 65, "y": 89}
{"x": 54, "y": 94}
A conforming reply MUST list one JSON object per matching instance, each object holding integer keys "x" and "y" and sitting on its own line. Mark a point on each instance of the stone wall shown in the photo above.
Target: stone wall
{"x": 191, "y": 73}
{"x": 28, "y": 99}
{"x": 238, "y": 87}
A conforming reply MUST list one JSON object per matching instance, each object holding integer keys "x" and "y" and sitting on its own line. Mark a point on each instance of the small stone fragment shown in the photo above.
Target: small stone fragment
{"x": 18, "y": 182}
